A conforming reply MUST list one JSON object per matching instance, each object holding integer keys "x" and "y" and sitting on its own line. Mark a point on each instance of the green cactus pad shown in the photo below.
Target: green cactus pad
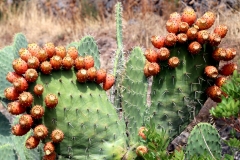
{"x": 203, "y": 139}
{"x": 88, "y": 46}
{"x": 20, "y": 41}
{"x": 134, "y": 96}
{"x": 90, "y": 123}
{"x": 178, "y": 94}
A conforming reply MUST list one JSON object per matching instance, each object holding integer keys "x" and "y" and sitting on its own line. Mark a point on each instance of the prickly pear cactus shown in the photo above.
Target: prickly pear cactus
{"x": 204, "y": 140}
{"x": 134, "y": 97}
{"x": 179, "y": 93}
{"x": 89, "y": 122}
{"x": 88, "y": 126}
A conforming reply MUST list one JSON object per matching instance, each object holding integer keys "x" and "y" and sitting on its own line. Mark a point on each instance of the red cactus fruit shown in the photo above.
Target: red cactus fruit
{"x": 31, "y": 75}
{"x": 211, "y": 71}
{"x": 221, "y": 30}
{"x": 38, "y": 89}
{"x": 20, "y": 84}
{"x": 189, "y": 16}
{"x": 201, "y": 23}
{"x": 11, "y": 93}
{"x": 194, "y": 47}
{"x": 183, "y": 27}
{"x": 109, "y": 81}
{"x": 17, "y": 130}
{"x": 56, "y": 62}
{"x": 46, "y": 67}
{"x": 49, "y": 49}
{"x": 220, "y": 81}
{"x": 52, "y": 156}
{"x": 145, "y": 70}
{"x": 172, "y": 26}
{"x": 11, "y": 76}
{"x": 230, "y": 54}
{"x": 202, "y": 36}
{"x": 214, "y": 39}
{"x": 67, "y": 62}
{"x": 20, "y": 66}
{"x": 49, "y": 148}
{"x": 219, "y": 54}
{"x": 173, "y": 62}
{"x": 141, "y": 150}
{"x": 81, "y": 75}
{"x": 182, "y": 38}
{"x": 151, "y": 55}
{"x": 33, "y": 48}
{"x": 192, "y": 33}
{"x": 25, "y": 99}
{"x": 32, "y": 142}
{"x": 40, "y": 131}
{"x": 157, "y": 41}
{"x": 57, "y": 136}
{"x": 175, "y": 16}
{"x": 33, "y": 63}
{"x": 92, "y": 74}
{"x": 88, "y": 62}
{"x": 61, "y": 51}
{"x": 141, "y": 133}
{"x": 170, "y": 40}
{"x": 37, "y": 112}
{"x": 153, "y": 68}
{"x": 101, "y": 75}
{"x": 214, "y": 92}
{"x": 26, "y": 121}
{"x": 24, "y": 54}
{"x": 15, "y": 108}
{"x": 210, "y": 18}
{"x": 51, "y": 100}
{"x": 72, "y": 52}
{"x": 163, "y": 53}
{"x": 42, "y": 55}
{"x": 79, "y": 63}
{"x": 228, "y": 69}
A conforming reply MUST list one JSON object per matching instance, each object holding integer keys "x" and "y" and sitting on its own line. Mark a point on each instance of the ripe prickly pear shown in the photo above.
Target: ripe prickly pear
{"x": 189, "y": 16}
{"x": 11, "y": 93}
{"x": 20, "y": 84}
{"x": 109, "y": 81}
{"x": 31, "y": 75}
{"x": 61, "y": 51}
{"x": 49, "y": 148}
{"x": 51, "y": 100}
{"x": 38, "y": 89}
{"x": 151, "y": 55}
{"x": 25, "y": 99}
{"x": 49, "y": 49}
{"x": 20, "y": 66}
{"x": 72, "y": 52}
{"x": 32, "y": 142}
{"x": 18, "y": 130}
{"x": 33, "y": 63}
{"x": 101, "y": 76}
{"x": 157, "y": 41}
{"x": 79, "y": 63}
{"x": 40, "y": 131}
{"x": 46, "y": 67}
{"x": 26, "y": 121}
{"x": 211, "y": 71}
{"x": 88, "y": 62}
{"x": 57, "y": 136}
{"x": 81, "y": 75}
{"x": 15, "y": 108}
{"x": 56, "y": 62}
{"x": 11, "y": 76}
{"x": 37, "y": 112}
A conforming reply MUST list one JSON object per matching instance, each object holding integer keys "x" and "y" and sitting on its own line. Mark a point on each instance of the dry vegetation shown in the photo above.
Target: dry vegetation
{"x": 40, "y": 27}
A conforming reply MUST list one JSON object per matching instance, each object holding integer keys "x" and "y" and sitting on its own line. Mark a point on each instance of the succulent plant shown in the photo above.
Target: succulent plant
{"x": 61, "y": 96}
{"x": 204, "y": 139}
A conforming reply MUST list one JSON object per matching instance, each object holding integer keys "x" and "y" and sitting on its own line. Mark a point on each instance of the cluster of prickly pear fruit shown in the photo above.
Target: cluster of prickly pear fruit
{"x": 34, "y": 63}
{"x": 186, "y": 28}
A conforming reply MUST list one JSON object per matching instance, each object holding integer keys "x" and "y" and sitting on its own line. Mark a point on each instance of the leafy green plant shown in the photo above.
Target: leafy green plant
{"x": 79, "y": 120}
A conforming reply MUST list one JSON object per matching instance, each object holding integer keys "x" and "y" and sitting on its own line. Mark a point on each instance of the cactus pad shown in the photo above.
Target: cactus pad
{"x": 203, "y": 139}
